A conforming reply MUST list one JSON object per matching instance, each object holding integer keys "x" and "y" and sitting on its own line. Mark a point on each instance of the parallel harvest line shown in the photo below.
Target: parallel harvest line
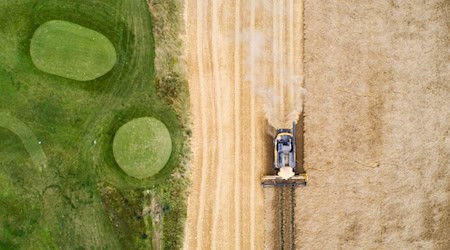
{"x": 280, "y": 53}
{"x": 291, "y": 55}
{"x": 220, "y": 120}
{"x": 204, "y": 169}
{"x": 274, "y": 58}
{"x": 253, "y": 130}
{"x": 237, "y": 125}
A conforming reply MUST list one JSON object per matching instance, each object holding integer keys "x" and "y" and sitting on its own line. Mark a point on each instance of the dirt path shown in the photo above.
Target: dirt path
{"x": 232, "y": 47}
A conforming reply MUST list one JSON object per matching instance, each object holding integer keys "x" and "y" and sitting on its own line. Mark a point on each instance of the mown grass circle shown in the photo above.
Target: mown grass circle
{"x": 72, "y": 51}
{"x": 142, "y": 147}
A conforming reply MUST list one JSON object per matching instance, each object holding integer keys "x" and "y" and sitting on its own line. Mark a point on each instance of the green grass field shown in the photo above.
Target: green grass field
{"x": 82, "y": 199}
{"x": 142, "y": 147}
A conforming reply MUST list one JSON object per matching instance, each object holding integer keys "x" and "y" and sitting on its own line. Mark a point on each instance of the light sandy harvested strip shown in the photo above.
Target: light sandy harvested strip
{"x": 291, "y": 52}
{"x": 204, "y": 167}
{"x": 253, "y": 130}
{"x": 209, "y": 214}
{"x": 300, "y": 36}
{"x": 281, "y": 72}
{"x": 237, "y": 125}
{"x": 220, "y": 121}
{"x": 274, "y": 56}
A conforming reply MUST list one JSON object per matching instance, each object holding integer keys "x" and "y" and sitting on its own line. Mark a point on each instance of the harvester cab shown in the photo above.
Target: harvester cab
{"x": 285, "y": 165}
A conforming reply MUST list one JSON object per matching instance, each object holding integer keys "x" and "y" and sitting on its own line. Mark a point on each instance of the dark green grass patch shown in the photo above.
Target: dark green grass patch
{"x": 28, "y": 138}
{"x": 11, "y": 146}
{"x": 142, "y": 147}
{"x": 69, "y": 50}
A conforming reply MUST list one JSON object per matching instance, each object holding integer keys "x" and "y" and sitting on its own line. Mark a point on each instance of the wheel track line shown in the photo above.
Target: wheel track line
{"x": 204, "y": 169}
{"x": 301, "y": 31}
{"x": 291, "y": 54}
{"x": 281, "y": 62}
{"x": 213, "y": 86}
{"x": 253, "y": 130}
{"x": 293, "y": 217}
{"x": 281, "y": 209}
{"x": 219, "y": 113}
{"x": 276, "y": 108}
{"x": 237, "y": 125}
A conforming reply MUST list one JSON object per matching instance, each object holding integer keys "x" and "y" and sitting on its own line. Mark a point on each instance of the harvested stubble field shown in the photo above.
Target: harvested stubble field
{"x": 376, "y": 123}
{"x": 235, "y": 50}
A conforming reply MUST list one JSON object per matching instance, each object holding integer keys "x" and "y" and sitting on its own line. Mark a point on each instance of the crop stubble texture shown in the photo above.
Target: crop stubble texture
{"x": 222, "y": 105}
{"x": 229, "y": 140}
{"x": 377, "y": 125}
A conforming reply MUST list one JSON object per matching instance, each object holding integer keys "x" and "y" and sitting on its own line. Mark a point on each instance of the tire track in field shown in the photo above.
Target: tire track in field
{"x": 280, "y": 60}
{"x": 203, "y": 129}
{"x": 291, "y": 48}
{"x": 253, "y": 128}
{"x": 218, "y": 102}
{"x": 237, "y": 124}
{"x": 275, "y": 65}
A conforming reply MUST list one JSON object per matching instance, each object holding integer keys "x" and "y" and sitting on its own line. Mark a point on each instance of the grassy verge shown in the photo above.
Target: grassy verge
{"x": 172, "y": 86}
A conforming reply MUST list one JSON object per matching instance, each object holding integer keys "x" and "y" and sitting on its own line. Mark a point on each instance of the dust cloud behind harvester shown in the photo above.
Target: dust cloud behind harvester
{"x": 278, "y": 78}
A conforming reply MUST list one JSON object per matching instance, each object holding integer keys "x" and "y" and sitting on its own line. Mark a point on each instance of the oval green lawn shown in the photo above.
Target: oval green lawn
{"x": 72, "y": 51}
{"x": 142, "y": 147}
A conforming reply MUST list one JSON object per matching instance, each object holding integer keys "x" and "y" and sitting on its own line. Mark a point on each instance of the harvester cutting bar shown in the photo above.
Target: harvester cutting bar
{"x": 276, "y": 181}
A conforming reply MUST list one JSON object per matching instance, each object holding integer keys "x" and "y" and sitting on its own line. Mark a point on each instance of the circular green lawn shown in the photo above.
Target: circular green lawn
{"x": 72, "y": 51}
{"x": 142, "y": 147}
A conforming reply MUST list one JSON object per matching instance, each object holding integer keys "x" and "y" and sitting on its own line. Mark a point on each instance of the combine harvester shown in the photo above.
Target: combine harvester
{"x": 285, "y": 166}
